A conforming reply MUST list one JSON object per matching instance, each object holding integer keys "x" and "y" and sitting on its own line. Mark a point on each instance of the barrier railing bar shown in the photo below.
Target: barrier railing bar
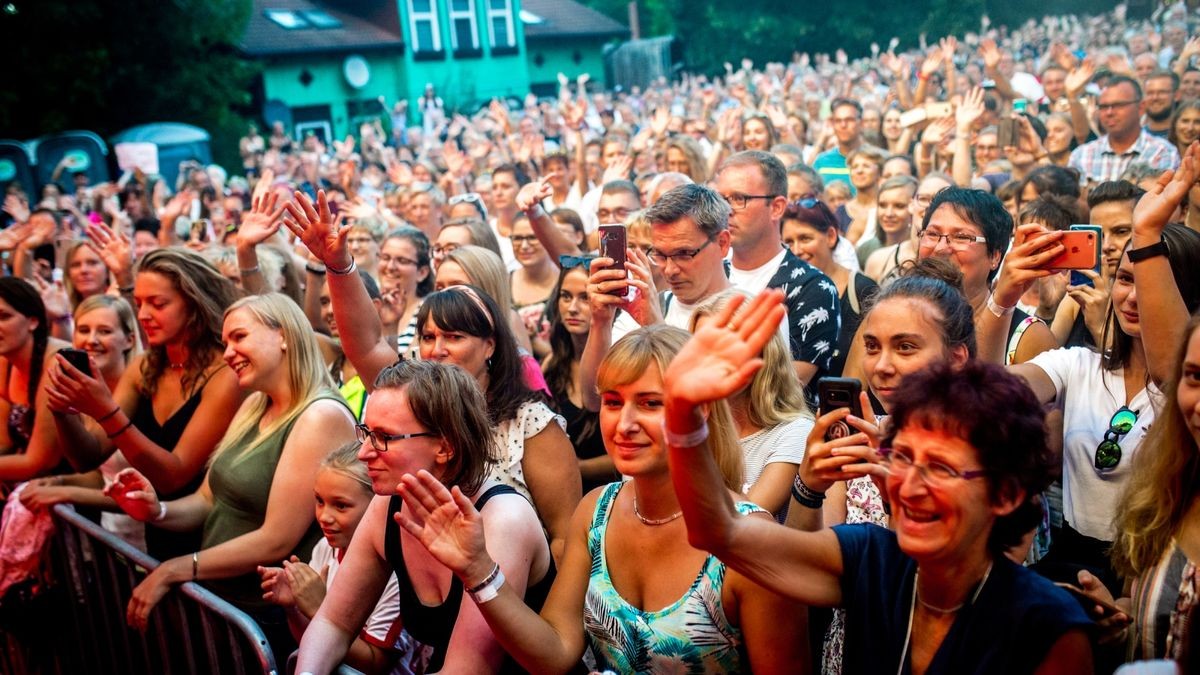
{"x": 204, "y": 598}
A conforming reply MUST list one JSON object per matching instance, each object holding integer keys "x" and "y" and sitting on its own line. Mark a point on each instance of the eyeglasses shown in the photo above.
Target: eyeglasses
{"x": 606, "y": 216}
{"x": 739, "y": 201}
{"x": 572, "y": 261}
{"x": 386, "y": 260}
{"x": 924, "y": 200}
{"x": 934, "y": 474}
{"x": 1117, "y": 104}
{"x": 955, "y": 240}
{"x": 519, "y": 240}
{"x": 380, "y": 440}
{"x": 794, "y": 207}
{"x": 680, "y": 257}
{"x": 843, "y": 120}
{"x": 440, "y": 250}
{"x": 470, "y": 197}
{"x": 1108, "y": 453}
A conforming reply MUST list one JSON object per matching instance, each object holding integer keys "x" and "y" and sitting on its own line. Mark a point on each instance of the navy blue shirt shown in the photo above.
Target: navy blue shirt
{"x": 1009, "y": 628}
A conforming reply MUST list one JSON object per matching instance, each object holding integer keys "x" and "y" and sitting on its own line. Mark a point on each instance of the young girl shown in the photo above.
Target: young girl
{"x": 343, "y": 492}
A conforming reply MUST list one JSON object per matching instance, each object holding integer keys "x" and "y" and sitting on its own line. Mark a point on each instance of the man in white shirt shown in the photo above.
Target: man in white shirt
{"x": 754, "y": 184}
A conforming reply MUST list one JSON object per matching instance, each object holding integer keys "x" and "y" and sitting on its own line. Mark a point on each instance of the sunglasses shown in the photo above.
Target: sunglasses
{"x": 1108, "y": 453}
{"x": 569, "y": 261}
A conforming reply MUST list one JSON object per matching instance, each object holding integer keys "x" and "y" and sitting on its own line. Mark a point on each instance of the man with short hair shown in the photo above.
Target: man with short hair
{"x": 845, "y": 117}
{"x": 1054, "y": 83}
{"x": 507, "y": 181}
{"x": 1162, "y": 91}
{"x": 755, "y": 185}
{"x": 424, "y": 211}
{"x": 1104, "y": 159}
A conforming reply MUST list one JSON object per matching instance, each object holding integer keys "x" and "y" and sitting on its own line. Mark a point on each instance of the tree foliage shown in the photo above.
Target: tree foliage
{"x": 106, "y": 65}
{"x": 716, "y": 31}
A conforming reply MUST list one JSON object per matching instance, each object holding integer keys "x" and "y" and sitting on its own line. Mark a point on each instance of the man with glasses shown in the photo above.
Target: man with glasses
{"x": 846, "y": 120}
{"x": 754, "y": 184}
{"x": 1106, "y": 158}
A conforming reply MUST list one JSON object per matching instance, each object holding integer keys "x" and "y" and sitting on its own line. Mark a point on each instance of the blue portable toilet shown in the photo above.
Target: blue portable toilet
{"x": 176, "y": 143}
{"x": 16, "y": 166}
{"x": 83, "y": 150}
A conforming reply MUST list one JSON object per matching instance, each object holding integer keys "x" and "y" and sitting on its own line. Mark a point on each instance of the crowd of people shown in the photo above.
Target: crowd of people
{"x": 520, "y": 447}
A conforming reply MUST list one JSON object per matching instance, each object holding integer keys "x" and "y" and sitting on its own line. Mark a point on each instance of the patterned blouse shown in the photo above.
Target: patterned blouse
{"x": 692, "y": 635}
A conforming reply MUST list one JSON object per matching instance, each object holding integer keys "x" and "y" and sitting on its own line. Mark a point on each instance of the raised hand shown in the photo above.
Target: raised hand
{"x": 660, "y": 121}
{"x": 931, "y": 64}
{"x": 1033, "y": 248}
{"x": 530, "y": 196}
{"x": 1078, "y": 77}
{"x": 446, "y": 523}
{"x": 134, "y": 494}
{"x": 970, "y": 110}
{"x": 723, "y": 354}
{"x": 990, "y": 52}
{"x": 16, "y": 207}
{"x": 1154, "y": 209}
{"x": 619, "y": 169}
{"x": 262, "y": 221}
{"x": 317, "y": 228}
{"x": 949, "y": 46}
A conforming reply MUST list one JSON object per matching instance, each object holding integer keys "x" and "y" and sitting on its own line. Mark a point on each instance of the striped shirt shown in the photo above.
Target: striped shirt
{"x": 1097, "y": 162}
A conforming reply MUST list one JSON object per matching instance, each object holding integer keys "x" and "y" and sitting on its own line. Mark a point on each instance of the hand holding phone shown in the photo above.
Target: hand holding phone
{"x": 78, "y": 359}
{"x": 1081, "y": 251}
{"x": 613, "y": 244}
{"x": 840, "y": 392}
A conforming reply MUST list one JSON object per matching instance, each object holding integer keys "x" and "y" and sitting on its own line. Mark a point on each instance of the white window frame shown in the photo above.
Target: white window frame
{"x": 507, "y": 14}
{"x": 457, "y": 15}
{"x": 431, "y": 17}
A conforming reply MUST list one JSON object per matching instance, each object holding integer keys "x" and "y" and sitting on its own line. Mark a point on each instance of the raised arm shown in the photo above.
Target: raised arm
{"x": 1159, "y": 300}
{"x": 968, "y": 111}
{"x": 1032, "y": 248}
{"x": 529, "y": 200}
{"x": 44, "y": 452}
{"x": 259, "y": 224}
{"x": 448, "y": 525}
{"x": 359, "y": 326}
{"x": 721, "y": 358}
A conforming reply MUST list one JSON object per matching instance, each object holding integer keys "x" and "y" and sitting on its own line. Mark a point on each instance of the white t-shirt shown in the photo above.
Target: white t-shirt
{"x": 781, "y": 443}
{"x": 506, "y": 249}
{"x": 383, "y": 627}
{"x": 1089, "y": 396}
{"x": 754, "y": 281}
{"x": 845, "y": 255}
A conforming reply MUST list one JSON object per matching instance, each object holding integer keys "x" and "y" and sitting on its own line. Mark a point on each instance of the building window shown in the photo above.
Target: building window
{"x": 464, "y": 28}
{"x": 423, "y": 25}
{"x": 500, "y": 26}
{"x": 295, "y": 19}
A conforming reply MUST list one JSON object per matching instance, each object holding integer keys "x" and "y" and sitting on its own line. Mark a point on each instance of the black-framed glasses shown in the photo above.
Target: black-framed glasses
{"x": 934, "y": 474}
{"x": 739, "y": 201}
{"x": 385, "y": 260}
{"x": 1108, "y": 453}
{"x": 680, "y": 257}
{"x": 379, "y": 440}
{"x": 1117, "y": 104}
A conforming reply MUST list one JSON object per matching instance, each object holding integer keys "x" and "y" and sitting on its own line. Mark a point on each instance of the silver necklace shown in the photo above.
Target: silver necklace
{"x": 654, "y": 521}
{"x": 913, "y": 606}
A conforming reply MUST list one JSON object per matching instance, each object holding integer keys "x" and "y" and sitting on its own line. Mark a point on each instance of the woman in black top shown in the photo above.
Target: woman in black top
{"x": 429, "y": 416}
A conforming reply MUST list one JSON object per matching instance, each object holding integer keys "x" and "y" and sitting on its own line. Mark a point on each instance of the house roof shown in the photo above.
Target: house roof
{"x": 266, "y": 37}
{"x": 565, "y": 18}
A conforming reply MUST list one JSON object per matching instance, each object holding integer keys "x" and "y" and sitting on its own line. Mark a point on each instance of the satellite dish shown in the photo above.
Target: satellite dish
{"x": 356, "y": 71}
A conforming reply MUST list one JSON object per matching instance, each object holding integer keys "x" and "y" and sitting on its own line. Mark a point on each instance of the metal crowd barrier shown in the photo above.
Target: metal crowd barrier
{"x": 80, "y": 626}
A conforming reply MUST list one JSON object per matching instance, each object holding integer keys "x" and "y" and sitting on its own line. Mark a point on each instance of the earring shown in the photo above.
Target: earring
{"x": 488, "y": 363}
{"x": 283, "y": 347}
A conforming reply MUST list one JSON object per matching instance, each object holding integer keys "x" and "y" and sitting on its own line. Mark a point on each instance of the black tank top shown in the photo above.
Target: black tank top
{"x": 433, "y": 625}
{"x": 164, "y": 544}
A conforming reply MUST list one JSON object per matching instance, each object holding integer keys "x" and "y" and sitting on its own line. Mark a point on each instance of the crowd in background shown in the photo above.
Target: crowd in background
{"x": 530, "y": 348}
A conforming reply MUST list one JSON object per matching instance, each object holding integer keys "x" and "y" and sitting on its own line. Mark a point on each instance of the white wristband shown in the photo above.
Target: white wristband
{"x": 490, "y": 590}
{"x": 162, "y": 512}
{"x": 691, "y": 439}
{"x": 999, "y": 311}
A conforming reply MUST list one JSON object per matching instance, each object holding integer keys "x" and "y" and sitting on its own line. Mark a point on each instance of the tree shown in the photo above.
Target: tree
{"x": 110, "y": 64}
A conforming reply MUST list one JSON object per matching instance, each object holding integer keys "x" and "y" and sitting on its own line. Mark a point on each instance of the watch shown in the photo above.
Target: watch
{"x": 1137, "y": 255}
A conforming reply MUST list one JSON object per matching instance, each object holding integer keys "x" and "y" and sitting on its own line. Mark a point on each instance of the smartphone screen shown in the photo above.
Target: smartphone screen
{"x": 78, "y": 359}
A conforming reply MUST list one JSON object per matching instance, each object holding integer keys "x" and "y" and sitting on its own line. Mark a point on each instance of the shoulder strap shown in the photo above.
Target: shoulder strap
{"x": 493, "y": 491}
{"x": 852, "y": 289}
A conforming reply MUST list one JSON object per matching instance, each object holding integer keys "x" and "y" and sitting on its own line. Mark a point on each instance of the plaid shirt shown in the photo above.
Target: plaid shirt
{"x": 1098, "y": 162}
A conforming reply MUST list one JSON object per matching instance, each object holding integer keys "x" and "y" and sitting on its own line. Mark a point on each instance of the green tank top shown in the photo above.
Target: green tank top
{"x": 240, "y": 479}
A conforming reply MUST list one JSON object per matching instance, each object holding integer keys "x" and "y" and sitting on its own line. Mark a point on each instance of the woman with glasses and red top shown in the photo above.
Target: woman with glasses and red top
{"x": 966, "y": 454}
{"x": 810, "y": 231}
{"x": 1109, "y": 399}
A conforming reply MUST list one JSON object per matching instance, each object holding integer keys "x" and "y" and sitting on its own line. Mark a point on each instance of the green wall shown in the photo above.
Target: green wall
{"x": 281, "y": 80}
{"x": 558, "y": 56}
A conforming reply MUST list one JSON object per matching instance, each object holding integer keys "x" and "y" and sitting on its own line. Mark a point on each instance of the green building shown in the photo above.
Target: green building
{"x": 329, "y": 64}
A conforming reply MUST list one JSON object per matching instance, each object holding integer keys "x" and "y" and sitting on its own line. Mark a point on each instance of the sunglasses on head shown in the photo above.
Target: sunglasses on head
{"x": 1108, "y": 453}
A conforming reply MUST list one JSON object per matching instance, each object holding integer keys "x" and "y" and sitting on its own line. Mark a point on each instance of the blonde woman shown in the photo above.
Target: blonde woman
{"x": 264, "y": 466}
{"x": 771, "y": 417}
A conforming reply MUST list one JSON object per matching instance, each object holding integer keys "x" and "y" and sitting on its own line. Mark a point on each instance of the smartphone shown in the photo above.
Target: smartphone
{"x": 1082, "y": 251}
{"x": 78, "y": 359}
{"x": 915, "y": 116}
{"x": 1006, "y": 133}
{"x": 939, "y": 109}
{"x": 613, "y": 239}
{"x": 1079, "y": 278}
{"x": 1083, "y": 595}
{"x": 1019, "y": 106}
{"x": 840, "y": 392}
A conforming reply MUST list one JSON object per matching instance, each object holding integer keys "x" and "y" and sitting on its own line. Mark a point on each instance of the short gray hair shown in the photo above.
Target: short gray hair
{"x": 707, "y": 209}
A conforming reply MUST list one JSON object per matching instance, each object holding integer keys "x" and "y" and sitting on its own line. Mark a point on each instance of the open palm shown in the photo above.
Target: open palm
{"x": 724, "y": 353}
{"x": 316, "y": 226}
{"x": 444, "y": 521}
{"x": 262, "y": 220}
{"x": 1154, "y": 209}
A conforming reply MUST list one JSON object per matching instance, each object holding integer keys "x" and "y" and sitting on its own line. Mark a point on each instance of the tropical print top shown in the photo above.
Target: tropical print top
{"x": 693, "y": 635}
